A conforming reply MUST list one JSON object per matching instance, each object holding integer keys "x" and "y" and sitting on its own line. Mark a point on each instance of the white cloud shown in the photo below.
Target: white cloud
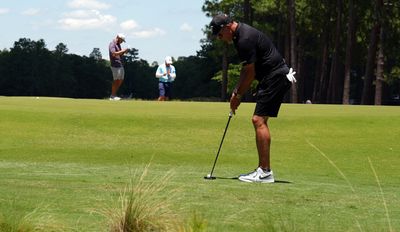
{"x": 148, "y": 33}
{"x": 129, "y": 25}
{"x": 88, "y": 4}
{"x": 31, "y": 12}
{"x": 186, "y": 27}
{"x": 87, "y": 16}
{"x": 42, "y": 24}
{"x": 4, "y": 11}
{"x": 86, "y": 19}
{"x": 80, "y": 14}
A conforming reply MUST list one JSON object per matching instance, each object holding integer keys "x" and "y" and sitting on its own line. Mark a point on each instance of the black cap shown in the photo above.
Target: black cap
{"x": 218, "y": 22}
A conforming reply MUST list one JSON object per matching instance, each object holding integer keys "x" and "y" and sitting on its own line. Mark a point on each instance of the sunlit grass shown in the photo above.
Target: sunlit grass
{"x": 337, "y": 166}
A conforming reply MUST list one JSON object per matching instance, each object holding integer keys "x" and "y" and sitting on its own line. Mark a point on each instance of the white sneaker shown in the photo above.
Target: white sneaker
{"x": 115, "y": 98}
{"x": 258, "y": 175}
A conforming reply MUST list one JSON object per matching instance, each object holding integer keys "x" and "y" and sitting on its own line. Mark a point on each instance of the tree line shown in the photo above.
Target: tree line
{"x": 29, "y": 68}
{"x": 343, "y": 51}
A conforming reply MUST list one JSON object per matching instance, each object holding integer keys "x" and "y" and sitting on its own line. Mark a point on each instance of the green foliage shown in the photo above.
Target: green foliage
{"x": 140, "y": 80}
{"x": 61, "y": 49}
{"x": 194, "y": 78}
{"x": 96, "y": 54}
{"x": 394, "y": 74}
{"x": 131, "y": 56}
{"x": 314, "y": 22}
{"x": 30, "y": 69}
{"x": 230, "y": 7}
{"x": 233, "y": 77}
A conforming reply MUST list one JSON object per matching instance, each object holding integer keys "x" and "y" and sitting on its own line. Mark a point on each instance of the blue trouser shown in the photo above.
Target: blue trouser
{"x": 164, "y": 88}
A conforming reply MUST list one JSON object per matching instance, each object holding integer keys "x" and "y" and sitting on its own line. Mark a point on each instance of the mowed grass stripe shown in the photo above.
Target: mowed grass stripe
{"x": 70, "y": 157}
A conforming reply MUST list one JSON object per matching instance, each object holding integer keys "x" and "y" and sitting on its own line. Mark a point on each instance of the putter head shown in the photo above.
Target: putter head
{"x": 208, "y": 177}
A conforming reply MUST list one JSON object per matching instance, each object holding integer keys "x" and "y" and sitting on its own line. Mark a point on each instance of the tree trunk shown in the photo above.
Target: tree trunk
{"x": 333, "y": 78}
{"x": 224, "y": 85}
{"x": 321, "y": 92}
{"x": 293, "y": 60}
{"x": 366, "y": 98}
{"x": 325, "y": 42}
{"x": 299, "y": 77}
{"x": 286, "y": 47}
{"x": 349, "y": 53}
{"x": 318, "y": 73}
{"x": 281, "y": 29}
{"x": 287, "y": 44}
{"x": 379, "y": 71}
{"x": 316, "y": 81}
{"x": 367, "y": 93}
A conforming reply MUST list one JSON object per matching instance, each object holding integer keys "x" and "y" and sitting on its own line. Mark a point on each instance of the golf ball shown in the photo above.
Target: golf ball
{"x": 208, "y": 175}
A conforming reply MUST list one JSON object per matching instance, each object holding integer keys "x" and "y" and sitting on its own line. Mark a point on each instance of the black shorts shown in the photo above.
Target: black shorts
{"x": 270, "y": 94}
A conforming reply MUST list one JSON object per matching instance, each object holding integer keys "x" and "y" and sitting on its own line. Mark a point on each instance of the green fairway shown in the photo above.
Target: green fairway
{"x": 337, "y": 166}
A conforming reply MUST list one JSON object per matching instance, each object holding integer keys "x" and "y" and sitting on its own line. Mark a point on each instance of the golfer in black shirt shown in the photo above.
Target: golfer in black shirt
{"x": 260, "y": 61}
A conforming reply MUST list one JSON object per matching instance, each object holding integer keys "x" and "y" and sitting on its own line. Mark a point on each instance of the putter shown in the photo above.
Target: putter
{"x": 210, "y": 176}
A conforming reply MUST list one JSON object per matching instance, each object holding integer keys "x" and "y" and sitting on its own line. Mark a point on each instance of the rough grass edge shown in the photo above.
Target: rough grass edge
{"x": 146, "y": 205}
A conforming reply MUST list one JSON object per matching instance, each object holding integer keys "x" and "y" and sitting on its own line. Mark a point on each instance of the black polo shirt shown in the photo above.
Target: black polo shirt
{"x": 253, "y": 46}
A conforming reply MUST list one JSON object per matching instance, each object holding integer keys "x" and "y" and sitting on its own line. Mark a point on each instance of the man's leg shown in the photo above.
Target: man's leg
{"x": 161, "y": 90}
{"x": 115, "y": 86}
{"x": 263, "y": 141}
{"x": 118, "y": 76}
{"x": 167, "y": 91}
{"x": 262, "y": 174}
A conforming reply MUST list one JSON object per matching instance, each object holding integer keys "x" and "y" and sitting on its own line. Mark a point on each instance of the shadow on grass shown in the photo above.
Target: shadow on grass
{"x": 236, "y": 178}
{"x": 283, "y": 182}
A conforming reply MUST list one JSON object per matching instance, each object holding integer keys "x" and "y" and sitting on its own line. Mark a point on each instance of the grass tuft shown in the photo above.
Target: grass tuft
{"x": 144, "y": 206}
{"x": 197, "y": 223}
{"x": 34, "y": 221}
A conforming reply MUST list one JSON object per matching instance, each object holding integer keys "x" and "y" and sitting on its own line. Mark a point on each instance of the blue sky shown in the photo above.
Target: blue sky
{"x": 156, "y": 28}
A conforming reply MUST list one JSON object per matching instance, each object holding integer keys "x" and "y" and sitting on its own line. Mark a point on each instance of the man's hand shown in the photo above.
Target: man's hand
{"x": 247, "y": 75}
{"x": 235, "y": 102}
